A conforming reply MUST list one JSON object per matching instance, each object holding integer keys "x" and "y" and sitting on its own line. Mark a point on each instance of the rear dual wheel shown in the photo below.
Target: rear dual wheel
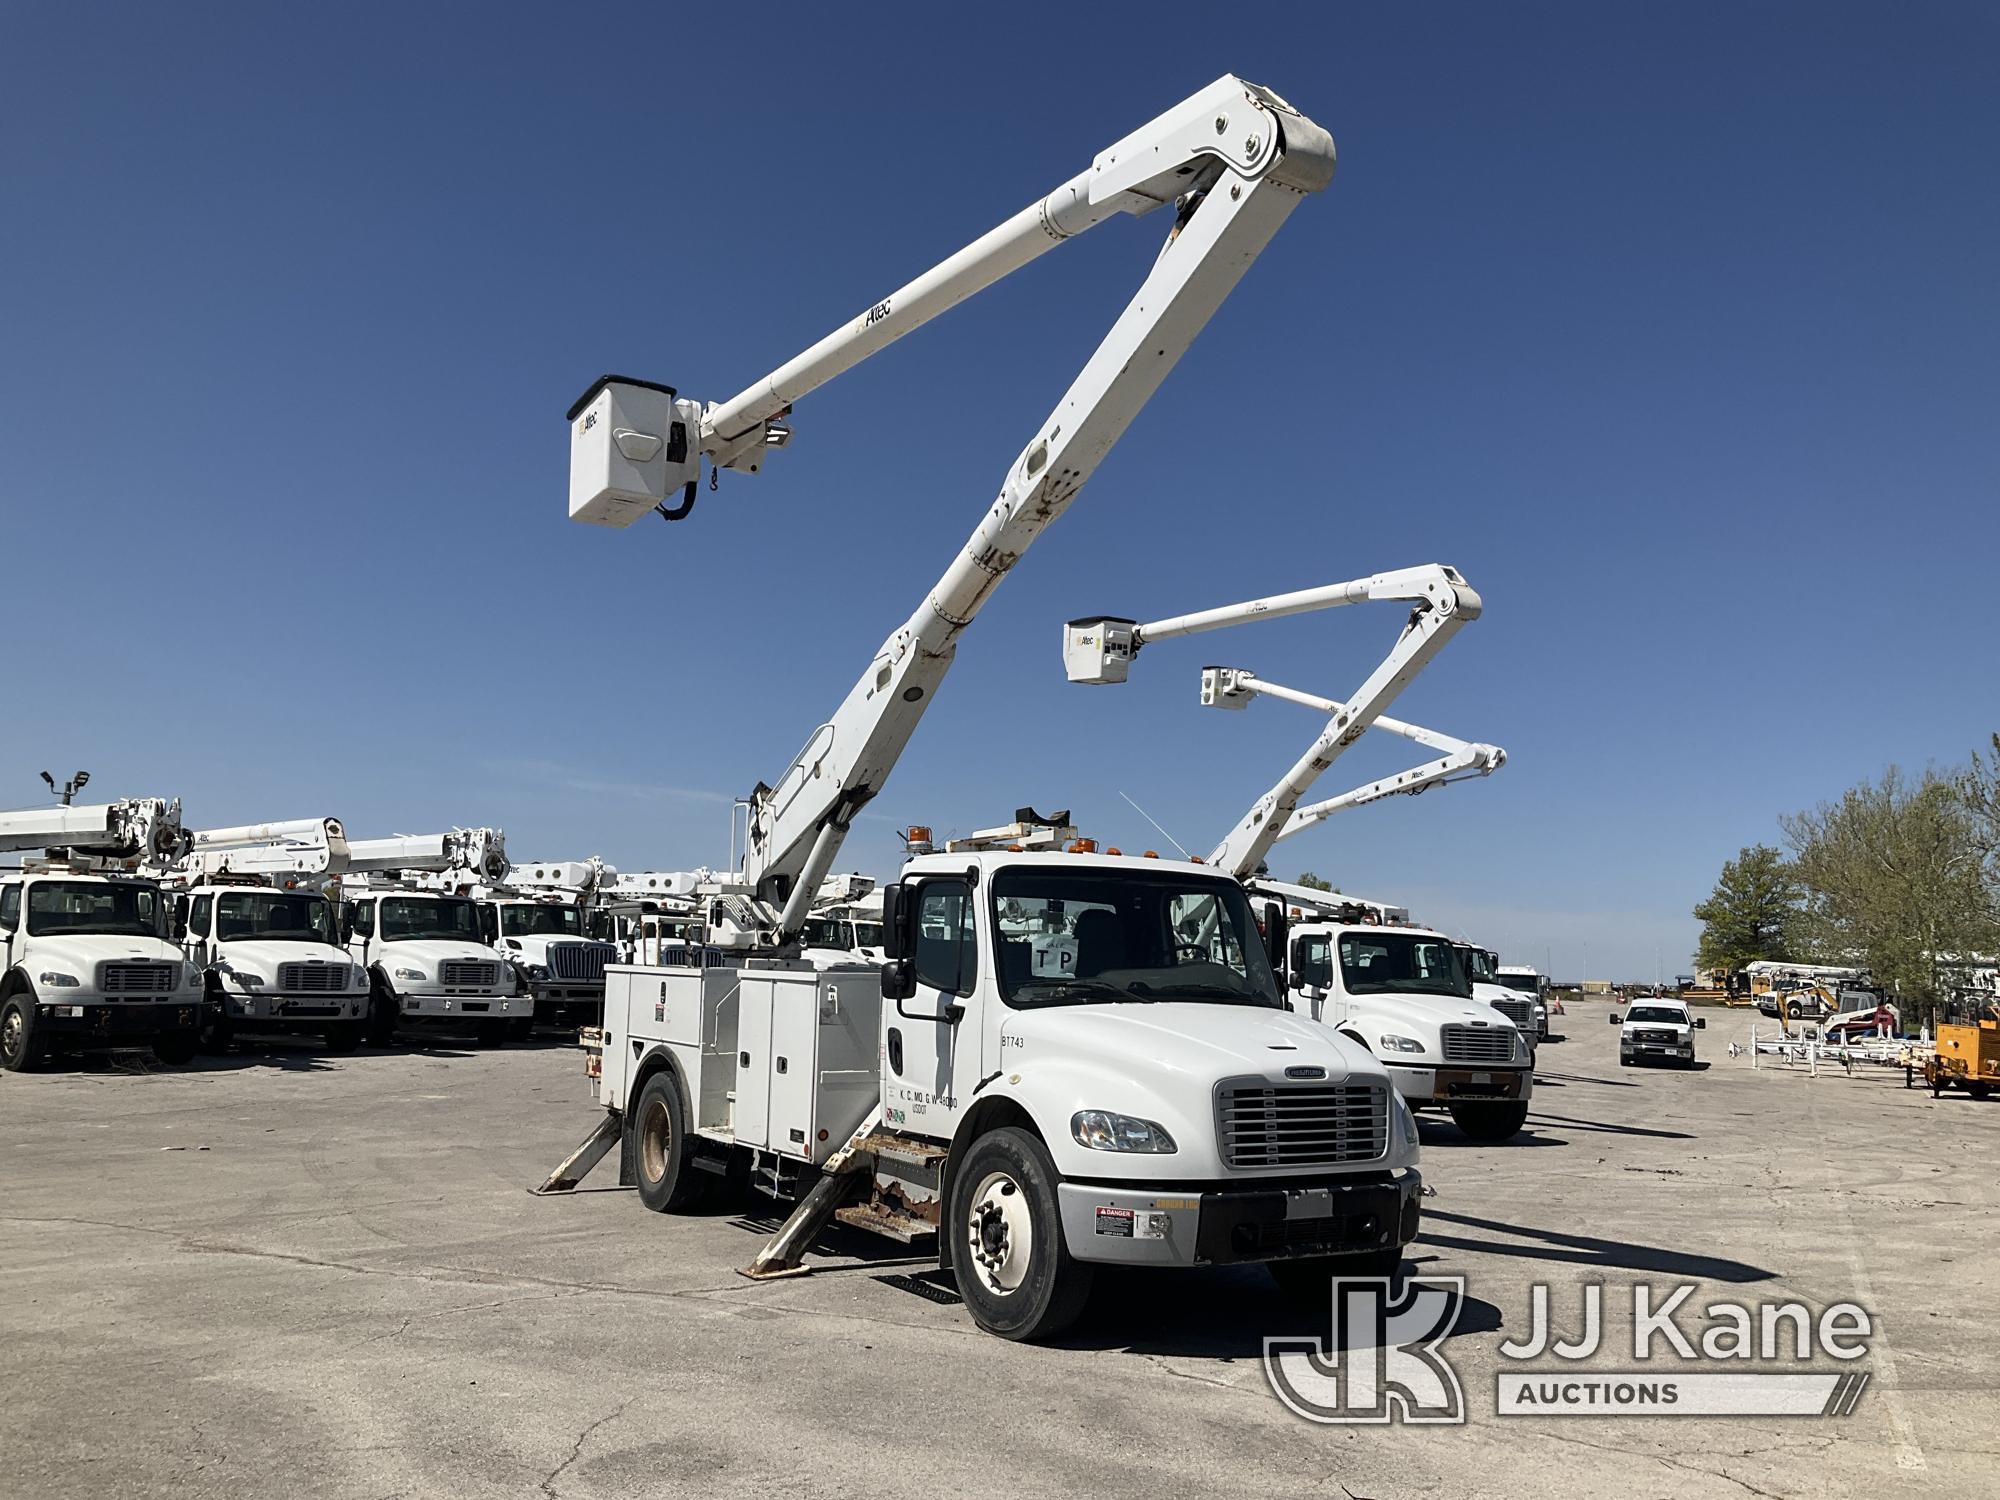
{"x": 663, "y": 1147}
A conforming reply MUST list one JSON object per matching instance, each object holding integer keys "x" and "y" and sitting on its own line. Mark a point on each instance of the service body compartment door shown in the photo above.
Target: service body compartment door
{"x": 754, "y": 1000}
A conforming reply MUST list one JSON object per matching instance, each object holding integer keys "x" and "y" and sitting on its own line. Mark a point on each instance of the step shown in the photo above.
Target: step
{"x": 877, "y": 1219}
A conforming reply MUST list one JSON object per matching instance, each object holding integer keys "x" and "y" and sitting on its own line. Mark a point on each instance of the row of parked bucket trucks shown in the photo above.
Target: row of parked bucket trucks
{"x": 1068, "y": 1059}
{"x": 125, "y": 927}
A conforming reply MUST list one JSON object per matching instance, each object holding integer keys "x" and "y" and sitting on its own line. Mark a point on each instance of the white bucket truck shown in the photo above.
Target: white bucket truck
{"x": 539, "y": 919}
{"x": 84, "y": 957}
{"x": 249, "y": 912}
{"x": 1164, "y": 1108}
{"x": 1401, "y": 992}
{"x": 428, "y": 961}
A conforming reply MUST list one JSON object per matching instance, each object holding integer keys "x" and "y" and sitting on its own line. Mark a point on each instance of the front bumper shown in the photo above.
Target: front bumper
{"x": 1432, "y": 1084}
{"x": 105, "y": 1019}
{"x": 556, "y": 994}
{"x": 1229, "y": 1225}
{"x": 464, "y": 1007}
{"x": 1657, "y": 1049}
{"x": 308, "y": 1010}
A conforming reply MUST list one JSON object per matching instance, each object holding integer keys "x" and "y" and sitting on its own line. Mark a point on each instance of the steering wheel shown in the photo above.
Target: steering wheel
{"x": 1199, "y": 950}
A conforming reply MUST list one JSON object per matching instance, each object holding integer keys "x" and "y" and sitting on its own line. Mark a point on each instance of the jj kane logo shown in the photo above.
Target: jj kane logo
{"x": 1385, "y": 1361}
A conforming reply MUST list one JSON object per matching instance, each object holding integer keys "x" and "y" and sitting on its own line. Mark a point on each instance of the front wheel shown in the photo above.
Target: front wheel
{"x": 344, "y": 1036}
{"x": 381, "y": 1024}
{"x": 21, "y": 1051}
{"x": 1485, "y": 1120}
{"x": 669, "y": 1181}
{"x": 1014, "y": 1271}
{"x": 1310, "y": 1278}
{"x": 521, "y": 1029}
{"x": 175, "y": 1046}
{"x": 1979, "y": 1090}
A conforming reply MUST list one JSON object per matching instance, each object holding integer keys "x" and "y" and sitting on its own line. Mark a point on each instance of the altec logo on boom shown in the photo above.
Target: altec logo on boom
{"x": 1385, "y": 1362}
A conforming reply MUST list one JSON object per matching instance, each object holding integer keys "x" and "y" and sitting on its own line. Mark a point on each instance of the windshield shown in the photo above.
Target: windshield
{"x": 1400, "y": 963}
{"x": 1067, "y": 937}
{"x": 867, "y": 934}
{"x": 1526, "y": 982}
{"x": 541, "y": 921}
{"x": 1479, "y": 966}
{"x": 1657, "y": 1015}
{"x": 283, "y": 916}
{"x": 85, "y": 906}
{"x": 408, "y": 917}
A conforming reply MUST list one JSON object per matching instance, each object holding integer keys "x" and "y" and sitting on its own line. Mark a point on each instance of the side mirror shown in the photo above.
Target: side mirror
{"x": 347, "y": 924}
{"x": 899, "y": 975}
{"x": 489, "y": 925}
{"x": 897, "y": 910}
{"x": 1615, "y": 1019}
{"x": 1701, "y": 1023}
{"x": 1277, "y": 928}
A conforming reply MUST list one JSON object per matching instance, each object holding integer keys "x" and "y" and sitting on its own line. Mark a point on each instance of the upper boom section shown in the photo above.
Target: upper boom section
{"x": 146, "y": 828}
{"x": 1235, "y": 160}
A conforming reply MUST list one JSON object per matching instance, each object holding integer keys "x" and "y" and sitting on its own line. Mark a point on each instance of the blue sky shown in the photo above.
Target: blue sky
{"x": 1672, "y": 327}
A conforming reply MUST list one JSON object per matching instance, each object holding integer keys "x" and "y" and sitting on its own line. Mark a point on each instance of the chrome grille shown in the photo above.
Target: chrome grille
{"x": 135, "y": 978}
{"x": 579, "y": 962}
{"x": 463, "y": 973}
{"x": 1520, "y": 1012}
{"x": 1663, "y": 1038}
{"x": 1301, "y": 1125}
{"x": 312, "y": 978}
{"x": 1479, "y": 1044}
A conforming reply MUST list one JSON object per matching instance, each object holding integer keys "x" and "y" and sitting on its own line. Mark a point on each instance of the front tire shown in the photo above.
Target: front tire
{"x": 1014, "y": 1270}
{"x": 663, "y": 1148}
{"x": 21, "y": 1051}
{"x": 381, "y": 1025}
{"x": 1979, "y": 1090}
{"x": 1309, "y": 1279}
{"x": 344, "y": 1036}
{"x": 176, "y": 1047}
{"x": 1490, "y": 1121}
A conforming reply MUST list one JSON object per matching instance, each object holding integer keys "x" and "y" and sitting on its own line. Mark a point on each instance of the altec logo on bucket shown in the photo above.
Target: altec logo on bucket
{"x": 1385, "y": 1360}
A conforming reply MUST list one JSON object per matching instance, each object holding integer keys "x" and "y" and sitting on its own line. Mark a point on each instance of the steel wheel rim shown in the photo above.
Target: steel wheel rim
{"x": 655, "y": 1133}
{"x": 13, "y": 1031}
{"x": 1000, "y": 1232}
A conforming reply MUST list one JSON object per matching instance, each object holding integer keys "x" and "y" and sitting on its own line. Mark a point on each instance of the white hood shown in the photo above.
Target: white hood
{"x": 80, "y": 955}
{"x": 263, "y": 956}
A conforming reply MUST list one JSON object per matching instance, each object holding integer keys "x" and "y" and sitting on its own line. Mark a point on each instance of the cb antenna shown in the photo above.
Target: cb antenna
{"x": 1156, "y": 824}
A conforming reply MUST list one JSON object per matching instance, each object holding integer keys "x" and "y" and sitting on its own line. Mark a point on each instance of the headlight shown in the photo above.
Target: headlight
{"x": 250, "y": 981}
{"x": 1394, "y": 1042}
{"x": 1521, "y": 1047}
{"x": 1101, "y": 1130}
{"x": 191, "y": 976}
{"x": 538, "y": 971}
{"x": 60, "y": 981}
{"x": 1406, "y": 1119}
{"x": 417, "y": 974}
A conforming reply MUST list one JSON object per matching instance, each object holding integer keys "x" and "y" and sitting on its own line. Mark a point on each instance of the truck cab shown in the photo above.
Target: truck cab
{"x": 1655, "y": 1028}
{"x": 1524, "y": 1010}
{"x": 429, "y": 965}
{"x": 271, "y": 961}
{"x": 84, "y": 961}
{"x": 843, "y": 936}
{"x": 560, "y": 965}
{"x": 1068, "y": 1063}
{"x": 1404, "y": 994}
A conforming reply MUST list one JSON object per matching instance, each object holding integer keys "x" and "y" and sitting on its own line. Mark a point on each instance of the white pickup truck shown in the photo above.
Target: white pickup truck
{"x": 84, "y": 961}
{"x": 429, "y": 965}
{"x": 1657, "y": 1028}
{"x": 271, "y": 961}
{"x": 1403, "y": 993}
{"x": 1146, "y": 1099}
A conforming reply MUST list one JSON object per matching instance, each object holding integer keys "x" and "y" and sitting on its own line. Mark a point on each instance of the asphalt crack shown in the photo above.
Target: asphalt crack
{"x": 548, "y": 1483}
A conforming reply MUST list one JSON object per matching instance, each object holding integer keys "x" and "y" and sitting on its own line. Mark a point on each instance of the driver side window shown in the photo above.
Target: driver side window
{"x": 10, "y": 907}
{"x": 947, "y": 956}
{"x": 363, "y": 913}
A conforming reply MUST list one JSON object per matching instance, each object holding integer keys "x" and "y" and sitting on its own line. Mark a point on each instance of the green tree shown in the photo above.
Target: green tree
{"x": 1312, "y": 882}
{"x": 1750, "y": 912}
{"x": 1896, "y": 877}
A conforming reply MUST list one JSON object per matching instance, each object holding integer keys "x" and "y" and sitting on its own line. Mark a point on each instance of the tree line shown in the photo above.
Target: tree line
{"x": 1899, "y": 875}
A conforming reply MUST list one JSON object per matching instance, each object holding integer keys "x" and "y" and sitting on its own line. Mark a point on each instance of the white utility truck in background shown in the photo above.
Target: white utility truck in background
{"x": 84, "y": 957}
{"x": 1401, "y": 992}
{"x": 425, "y": 950}
{"x": 1164, "y": 1108}
{"x": 846, "y": 924}
{"x": 538, "y": 917}
{"x": 249, "y": 912}
{"x": 1482, "y": 967}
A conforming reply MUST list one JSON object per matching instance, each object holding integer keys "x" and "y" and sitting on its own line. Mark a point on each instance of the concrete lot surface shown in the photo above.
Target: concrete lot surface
{"x": 286, "y": 1275}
